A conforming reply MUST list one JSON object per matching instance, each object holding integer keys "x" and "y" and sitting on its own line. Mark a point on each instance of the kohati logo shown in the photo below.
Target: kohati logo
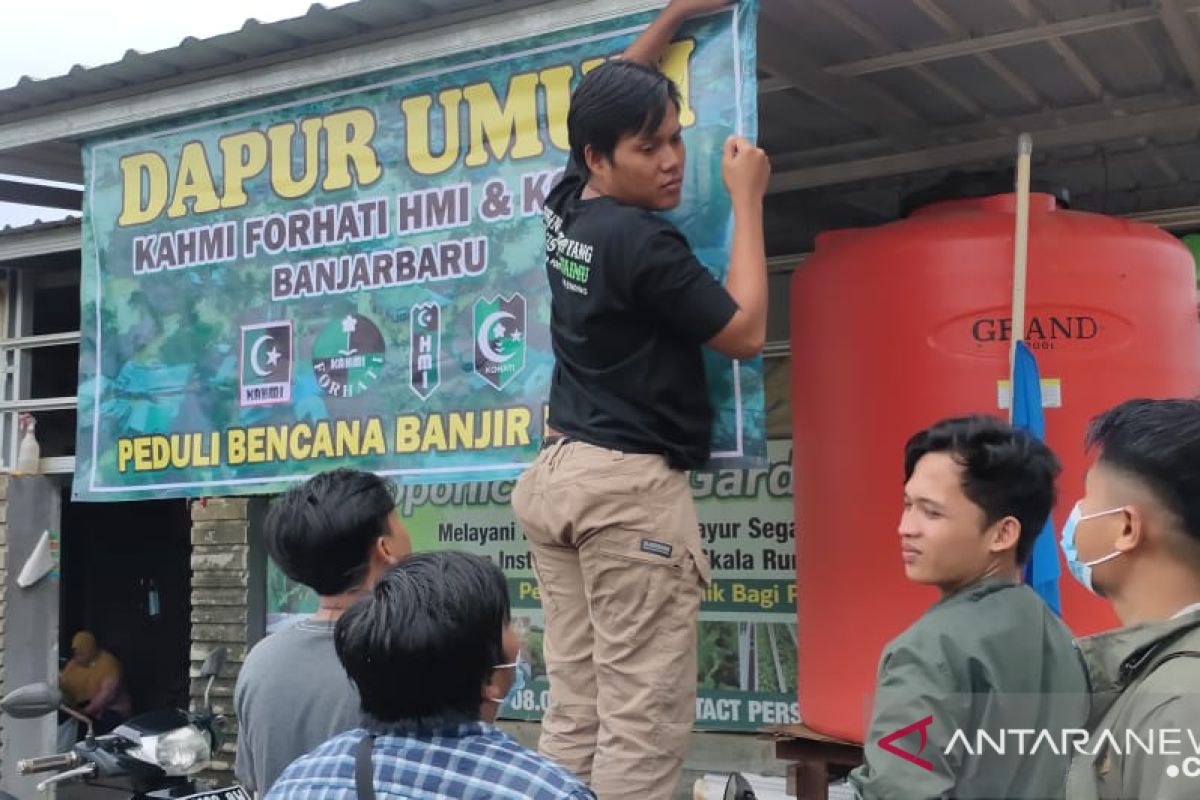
{"x": 499, "y": 338}
{"x": 494, "y": 323}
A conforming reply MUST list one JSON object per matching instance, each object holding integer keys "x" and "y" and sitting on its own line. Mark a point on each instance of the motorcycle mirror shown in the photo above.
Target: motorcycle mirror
{"x": 32, "y": 701}
{"x": 210, "y": 669}
{"x": 213, "y": 663}
{"x": 738, "y": 788}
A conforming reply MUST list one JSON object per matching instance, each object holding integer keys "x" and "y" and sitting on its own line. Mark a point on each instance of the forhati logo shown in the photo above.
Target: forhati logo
{"x": 920, "y": 726}
{"x": 348, "y": 356}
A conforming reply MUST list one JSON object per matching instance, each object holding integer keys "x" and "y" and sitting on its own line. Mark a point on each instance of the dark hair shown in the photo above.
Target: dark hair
{"x": 427, "y": 637}
{"x": 1158, "y": 443}
{"x": 615, "y": 99}
{"x": 1006, "y": 471}
{"x": 320, "y": 532}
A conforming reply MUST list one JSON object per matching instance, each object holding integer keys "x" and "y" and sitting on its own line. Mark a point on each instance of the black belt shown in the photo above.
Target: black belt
{"x": 550, "y": 441}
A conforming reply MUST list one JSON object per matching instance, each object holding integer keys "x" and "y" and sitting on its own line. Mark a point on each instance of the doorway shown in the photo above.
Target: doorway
{"x": 126, "y": 577}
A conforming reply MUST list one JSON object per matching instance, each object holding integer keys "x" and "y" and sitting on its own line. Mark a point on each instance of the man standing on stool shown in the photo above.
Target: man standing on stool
{"x": 607, "y": 507}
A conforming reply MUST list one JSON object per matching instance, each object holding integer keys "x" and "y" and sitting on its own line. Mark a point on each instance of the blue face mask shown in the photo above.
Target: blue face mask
{"x": 1082, "y": 570}
{"x": 521, "y": 670}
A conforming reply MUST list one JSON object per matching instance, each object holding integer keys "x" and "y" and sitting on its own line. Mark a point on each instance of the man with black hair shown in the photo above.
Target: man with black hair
{"x": 433, "y": 653}
{"x": 606, "y": 506}
{"x": 336, "y": 534}
{"x": 1134, "y": 538}
{"x": 990, "y": 657}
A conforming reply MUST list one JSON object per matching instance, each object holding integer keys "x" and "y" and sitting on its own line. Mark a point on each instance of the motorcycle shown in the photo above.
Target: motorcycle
{"x": 158, "y": 754}
{"x": 738, "y": 788}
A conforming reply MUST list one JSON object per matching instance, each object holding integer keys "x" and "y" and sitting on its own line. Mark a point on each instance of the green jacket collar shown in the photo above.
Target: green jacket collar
{"x": 975, "y": 591}
{"x": 1116, "y": 658}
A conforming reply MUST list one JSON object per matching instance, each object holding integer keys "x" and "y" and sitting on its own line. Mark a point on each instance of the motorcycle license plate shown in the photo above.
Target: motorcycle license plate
{"x": 228, "y": 793}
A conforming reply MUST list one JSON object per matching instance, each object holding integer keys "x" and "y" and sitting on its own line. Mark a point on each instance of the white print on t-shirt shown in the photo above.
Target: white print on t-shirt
{"x": 569, "y": 258}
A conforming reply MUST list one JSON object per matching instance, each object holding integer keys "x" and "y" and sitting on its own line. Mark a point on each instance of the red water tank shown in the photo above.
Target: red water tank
{"x": 898, "y": 326}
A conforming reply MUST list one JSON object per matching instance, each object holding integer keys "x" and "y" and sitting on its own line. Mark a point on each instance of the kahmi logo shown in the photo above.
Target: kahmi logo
{"x": 920, "y": 726}
{"x": 266, "y": 364}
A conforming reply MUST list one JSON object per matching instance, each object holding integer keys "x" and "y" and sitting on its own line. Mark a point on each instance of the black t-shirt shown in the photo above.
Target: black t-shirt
{"x": 631, "y": 309}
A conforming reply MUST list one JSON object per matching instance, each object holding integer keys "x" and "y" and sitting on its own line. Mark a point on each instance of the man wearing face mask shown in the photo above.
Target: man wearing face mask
{"x": 434, "y": 655}
{"x": 1134, "y": 538}
{"x": 990, "y": 656}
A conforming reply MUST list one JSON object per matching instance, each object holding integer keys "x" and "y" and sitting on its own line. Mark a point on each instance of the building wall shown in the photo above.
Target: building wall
{"x": 3, "y": 583}
{"x": 227, "y": 603}
{"x": 30, "y": 622}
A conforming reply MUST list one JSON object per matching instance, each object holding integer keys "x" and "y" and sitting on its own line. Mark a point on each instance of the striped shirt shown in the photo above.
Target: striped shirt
{"x": 454, "y": 762}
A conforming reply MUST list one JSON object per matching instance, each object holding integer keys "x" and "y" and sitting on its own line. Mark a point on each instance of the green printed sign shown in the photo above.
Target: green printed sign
{"x": 354, "y": 275}
{"x": 747, "y": 635}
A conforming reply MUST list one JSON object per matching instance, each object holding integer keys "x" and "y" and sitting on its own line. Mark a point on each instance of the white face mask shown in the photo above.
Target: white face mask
{"x": 1082, "y": 570}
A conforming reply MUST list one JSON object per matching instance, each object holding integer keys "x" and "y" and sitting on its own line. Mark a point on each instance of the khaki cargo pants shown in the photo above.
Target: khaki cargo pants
{"x": 616, "y": 550}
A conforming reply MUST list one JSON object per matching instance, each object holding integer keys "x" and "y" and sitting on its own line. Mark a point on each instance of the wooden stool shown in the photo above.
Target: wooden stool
{"x": 816, "y": 759}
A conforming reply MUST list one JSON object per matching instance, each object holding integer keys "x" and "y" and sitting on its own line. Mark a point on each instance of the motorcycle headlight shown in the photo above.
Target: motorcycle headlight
{"x": 183, "y": 750}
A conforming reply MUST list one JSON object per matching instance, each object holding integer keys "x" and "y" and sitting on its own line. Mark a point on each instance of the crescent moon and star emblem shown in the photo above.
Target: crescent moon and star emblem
{"x": 273, "y": 356}
{"x": 499, "y": 335}
{"x": 493, "y": 328}
{"x": 265, "y": 364}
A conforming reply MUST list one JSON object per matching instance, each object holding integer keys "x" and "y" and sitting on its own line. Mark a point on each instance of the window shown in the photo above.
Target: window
{"x": 39, "y": 356}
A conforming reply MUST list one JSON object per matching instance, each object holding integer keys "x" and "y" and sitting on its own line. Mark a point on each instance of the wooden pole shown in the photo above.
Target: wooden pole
{"x": 1020, "y": 260}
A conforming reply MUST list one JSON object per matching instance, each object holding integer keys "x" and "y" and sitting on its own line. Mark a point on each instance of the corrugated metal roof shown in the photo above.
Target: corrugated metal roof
{"x": 874, "y": 98}
{"x": 319, "y": 28}
{"x": 37, "y": 226}
{"x": 19, "y": 243}
{"x": 864, "y": 100}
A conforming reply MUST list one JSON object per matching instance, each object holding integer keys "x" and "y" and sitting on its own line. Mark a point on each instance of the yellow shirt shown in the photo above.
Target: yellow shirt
{"x": 80, "y": 683}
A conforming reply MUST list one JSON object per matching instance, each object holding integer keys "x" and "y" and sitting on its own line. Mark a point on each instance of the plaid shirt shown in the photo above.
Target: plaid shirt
{"x": 463, "y": 762}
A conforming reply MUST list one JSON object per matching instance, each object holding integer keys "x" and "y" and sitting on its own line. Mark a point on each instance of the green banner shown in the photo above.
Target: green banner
{"x": 747, "y": 635}
{"x": 354, "y": 275}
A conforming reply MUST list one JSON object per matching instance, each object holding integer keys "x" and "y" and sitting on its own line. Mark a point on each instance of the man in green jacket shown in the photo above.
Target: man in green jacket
{"x": 990, "y": 658}
{"x": 1135, "y": 539}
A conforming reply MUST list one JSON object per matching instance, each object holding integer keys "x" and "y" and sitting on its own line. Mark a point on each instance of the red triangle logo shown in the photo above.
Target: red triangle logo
{"x": 921, "y": 725}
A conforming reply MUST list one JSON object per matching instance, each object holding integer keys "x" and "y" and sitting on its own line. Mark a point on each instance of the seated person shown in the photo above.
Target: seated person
{"x": 91, "y": 683}
{"x": 990, "y": 657}
{"x": 433, "y": 654}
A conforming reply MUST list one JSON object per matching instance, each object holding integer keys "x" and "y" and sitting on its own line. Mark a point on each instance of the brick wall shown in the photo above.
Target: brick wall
{"x": 222, "y": 602}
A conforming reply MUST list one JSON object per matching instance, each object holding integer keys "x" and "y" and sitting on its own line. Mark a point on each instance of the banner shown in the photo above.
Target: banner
{"x": 747, "y": 636}
{"x": 354, "y": 275}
